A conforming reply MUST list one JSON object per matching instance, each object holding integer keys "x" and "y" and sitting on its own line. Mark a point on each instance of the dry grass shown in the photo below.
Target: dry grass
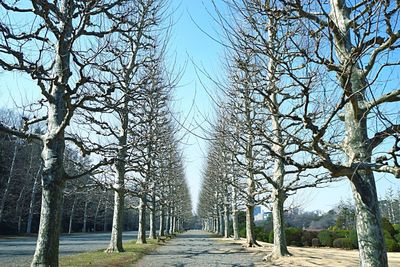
{"x": 133, "y": 252}
{"x": 309, "y": 257}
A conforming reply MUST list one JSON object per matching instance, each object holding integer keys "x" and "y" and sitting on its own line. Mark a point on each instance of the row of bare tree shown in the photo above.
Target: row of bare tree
{"x": 100, "y": 67}
{"x": 311, "y": 97}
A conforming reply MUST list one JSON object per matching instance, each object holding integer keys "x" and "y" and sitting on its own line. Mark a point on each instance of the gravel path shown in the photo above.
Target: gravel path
{"x": 198, "y": 248}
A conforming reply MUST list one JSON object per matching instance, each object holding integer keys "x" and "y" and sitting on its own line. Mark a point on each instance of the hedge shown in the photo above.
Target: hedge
{"x": 342, "y": 242}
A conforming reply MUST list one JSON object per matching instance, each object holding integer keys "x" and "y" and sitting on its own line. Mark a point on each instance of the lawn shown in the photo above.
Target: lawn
{"x": 133, "y": 252}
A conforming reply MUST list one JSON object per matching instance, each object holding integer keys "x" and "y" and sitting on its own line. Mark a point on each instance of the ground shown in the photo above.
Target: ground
{"x": 18, "y": 251}
{"x": 198, "y": 248}
{"x": 192, "y": 248}
{"x": 309, "y": 257}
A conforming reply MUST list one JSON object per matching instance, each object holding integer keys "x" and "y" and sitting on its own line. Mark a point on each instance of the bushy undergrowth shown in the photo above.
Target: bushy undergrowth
{"x": 346, "y": 239}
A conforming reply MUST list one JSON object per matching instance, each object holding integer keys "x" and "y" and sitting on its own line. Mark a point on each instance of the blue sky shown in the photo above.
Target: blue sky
{"x": 189, "y": 46}
{"x": 192, "y": 44}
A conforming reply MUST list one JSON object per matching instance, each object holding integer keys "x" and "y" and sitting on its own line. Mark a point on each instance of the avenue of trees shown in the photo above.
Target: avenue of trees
{"x": 311, "y": 96}
{"x": 99, "y": 149}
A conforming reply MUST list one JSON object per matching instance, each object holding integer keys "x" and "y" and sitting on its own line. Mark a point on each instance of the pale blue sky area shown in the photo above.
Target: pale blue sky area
{"x": 191, "y": 42}
{"x": 189, "y": 46}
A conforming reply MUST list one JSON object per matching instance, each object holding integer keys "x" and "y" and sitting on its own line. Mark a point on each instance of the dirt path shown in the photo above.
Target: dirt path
{"x": 198, "y": 248}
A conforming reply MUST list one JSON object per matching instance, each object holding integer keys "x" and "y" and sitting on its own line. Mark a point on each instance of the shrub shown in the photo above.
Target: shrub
{"x": 396, "y": 228}
{"x": 387, "y": 226}
{"x": 342, "y": 243}
{"x": 242, "y": 232}
{"x": 307, "y": 237}
{"x": 293, "y": 236}
{"x": 391, "y": 245}
{"x": 397, "y": 237}
{"x": 326, "y": 238}
{"x": 261, "y": 234}
{"x": 340, "y": 234}
{"x": 354, "y": 239}
{"x": 315, "y": 242}
{"x": 271, "y": 237}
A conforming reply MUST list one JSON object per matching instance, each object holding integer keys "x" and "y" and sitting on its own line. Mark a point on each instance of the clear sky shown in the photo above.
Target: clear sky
{"x": 192, "y": 48}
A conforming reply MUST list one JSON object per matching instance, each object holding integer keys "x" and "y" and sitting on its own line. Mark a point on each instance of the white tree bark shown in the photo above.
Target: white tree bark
{"x": 85, "y": 215}
{"x": 119, "y": 166}
{"x": 71, "y": 215}
{"x": 116, "y": 231}
{"x": 153, "y": 233}
{"x": 372, "y": 250}
{"x": 162, "y": 221}
{"x": 96, "y": 213}
{"x": 141, "y": 238}
{"x": 18, "y": 208}
{"x": 226, "y": 217}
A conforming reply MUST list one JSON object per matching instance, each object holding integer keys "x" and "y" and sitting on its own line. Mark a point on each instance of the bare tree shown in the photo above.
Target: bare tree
{"x": 49, "y": 49}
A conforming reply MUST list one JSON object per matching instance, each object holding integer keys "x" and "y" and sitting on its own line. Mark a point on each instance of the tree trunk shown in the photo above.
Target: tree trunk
{"x": 280, "y": 248}
{"x": 162, "y": 222}
{"x": 84, "y": 227}
{"x": 105, "y": 216}
{"x": 250, "y": 238}
{"x": 116, "y": 232}
{"x": 235, "y": 219}
{"x": 221, "y": 222}
{"x": 171, "y": 221}
{"x": 32, "y": 202}
{"x": 46, "y": 252}
{"x": 71, "y": 216}
{"x": 96, "y": 213}
{"x": 8, "y": 183}
{"x": 226, "y": 218}
{"x": 372, "y": 250}
{"x": 153, "y": 233}
{"x": 141, "y": 238}
{"x": 53, "y": 175}
{"x": 119, "y": 166}
{"x": 18, "y": 209}
{"x": 168, "y": 220}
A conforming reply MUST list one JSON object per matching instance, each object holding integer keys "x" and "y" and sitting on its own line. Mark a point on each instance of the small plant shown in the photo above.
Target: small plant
{"x": 342, "y": 242}
{"x": 326, "y": 238}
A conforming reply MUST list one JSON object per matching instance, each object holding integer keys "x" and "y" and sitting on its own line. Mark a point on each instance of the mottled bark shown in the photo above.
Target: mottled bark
{"x": 250, "y": 237}
{"x": 53, "y": 175}
{"x": 171, "y": 221}
{"x": 372, "y": 250}
{"x": 119, "y": 167}
{"x": 153, "y": 233}
{"x": 141, "y": 238}
{"x": 235, "y": 224}
{"x": 162, "y": 221}
{"x": 221, "y": 222}
{"x": 168, "y": 219}
{"x": 280, "y": 247}
{"x": 226, "y": 218}
{"x": 46, "y": 252}
{"x": 117, "y": 224}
